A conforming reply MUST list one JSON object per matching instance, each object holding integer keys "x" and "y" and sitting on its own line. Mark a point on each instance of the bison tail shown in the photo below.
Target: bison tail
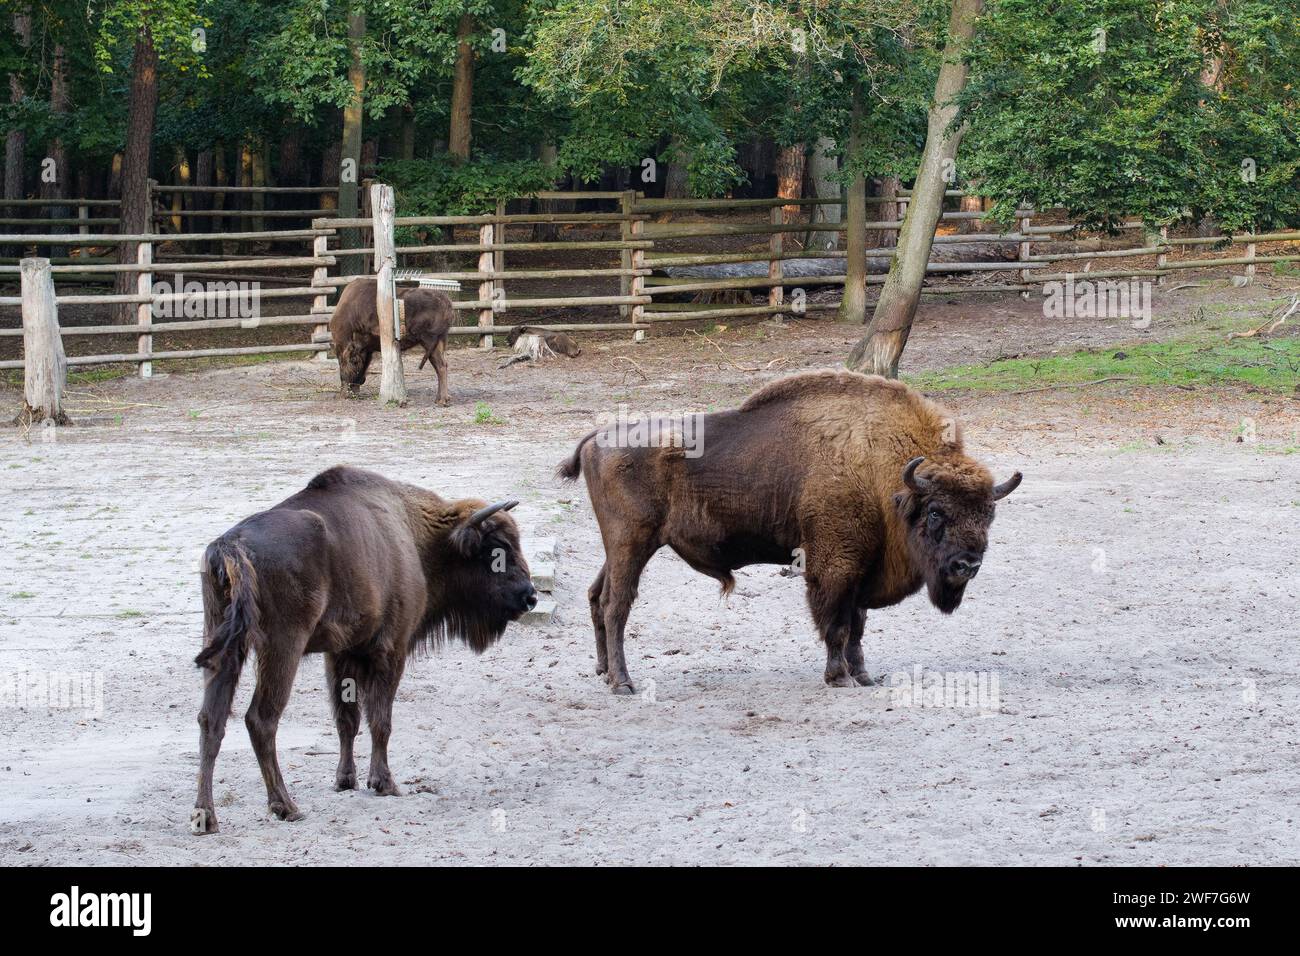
{"x": 571, "y": 467}
{"x": 230, "y": 607}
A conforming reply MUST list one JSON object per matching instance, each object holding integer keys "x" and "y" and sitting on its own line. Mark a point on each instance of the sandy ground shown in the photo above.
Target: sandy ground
{"x": 1137, "y": 611}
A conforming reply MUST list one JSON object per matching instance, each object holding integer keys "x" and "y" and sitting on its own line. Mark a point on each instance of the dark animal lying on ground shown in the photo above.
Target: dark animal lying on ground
{"x": 858, "y": 480}
{"x": 354, "y": 328}
{"x": 365, "y": 571}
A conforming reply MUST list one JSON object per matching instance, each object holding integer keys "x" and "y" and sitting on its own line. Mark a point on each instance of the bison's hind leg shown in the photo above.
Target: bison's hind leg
{"x": 595, "y": 597}
{"x": 218, "y": 695}
{"x": 343, "y": 677}
{"x": 277, "y": 664}
{"x": 623, "y": 567}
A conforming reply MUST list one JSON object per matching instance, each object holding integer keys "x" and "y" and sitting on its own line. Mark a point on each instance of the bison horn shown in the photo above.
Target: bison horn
{"x": 911, "y": 479}
{"x": 483, "y": 514}
{"x": 1008, "y": 486}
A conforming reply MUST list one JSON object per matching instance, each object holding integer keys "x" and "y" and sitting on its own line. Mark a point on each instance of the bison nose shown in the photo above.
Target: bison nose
{"x": 965, "y": 567}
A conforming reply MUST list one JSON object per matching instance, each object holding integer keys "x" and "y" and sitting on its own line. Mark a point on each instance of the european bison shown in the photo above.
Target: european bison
{"x": 365, "y": 571}
{"x": 354, "y": 328}
{"x": 859, "y": 480}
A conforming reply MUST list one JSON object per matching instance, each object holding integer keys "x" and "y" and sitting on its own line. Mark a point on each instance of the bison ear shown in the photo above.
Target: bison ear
{"x": 466, "y": 539}
{"x": 907, "y": 505}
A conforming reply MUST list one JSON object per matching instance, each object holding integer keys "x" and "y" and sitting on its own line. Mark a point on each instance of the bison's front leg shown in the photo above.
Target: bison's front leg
{"x": 439, "y": 358}
{"x": 380, "y": 689}
{"x": 853, "y": 653}
{"x": 833, "y": 611}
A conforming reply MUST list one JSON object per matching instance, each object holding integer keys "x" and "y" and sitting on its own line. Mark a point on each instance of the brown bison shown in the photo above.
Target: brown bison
{"x": 354, "y": 328}
{"x": 859, "y": 481}
{"x": 365, "y": 571}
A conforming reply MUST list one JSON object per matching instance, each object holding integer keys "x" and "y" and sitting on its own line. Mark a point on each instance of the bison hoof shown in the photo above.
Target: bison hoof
{"x": 840, "y": 680}
{"x": 345, "y": 781}
{"x": 203, "y": 820}
{"x": 286, "y": 811}
{"x": 444, "y": 402}
{"x": 384, "y": 786}
{"x": 623, "y": 688}
{"x": 864, "y": 679}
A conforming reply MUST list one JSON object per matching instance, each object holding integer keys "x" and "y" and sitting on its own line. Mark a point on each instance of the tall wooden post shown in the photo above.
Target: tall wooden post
{"x": 320, "y": 305}
{"x": 1162, "y": 258}
{"x": 499, "y": 258}
{"x": 625, "y": 205}
{"x": 392, "y": 384}
{"x": 1250, "y": 267}
{"x": 775, "y": 269}
{"x": 485, "y": 264}
{"x": 144, "y": 310}
{"x": 1022, "y": 253}
{"x": 45, "y": 369}
{"x": 636, "y": 230}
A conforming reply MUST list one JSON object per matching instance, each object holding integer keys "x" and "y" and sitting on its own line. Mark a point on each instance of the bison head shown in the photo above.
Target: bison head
{"x": 488, "y": 581}
{"x": 354, "y": 361}
{"x": 947, "y": 512}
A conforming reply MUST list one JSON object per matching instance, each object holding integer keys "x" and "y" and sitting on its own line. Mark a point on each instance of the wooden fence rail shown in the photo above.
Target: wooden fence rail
{"x": 495, "y": 264}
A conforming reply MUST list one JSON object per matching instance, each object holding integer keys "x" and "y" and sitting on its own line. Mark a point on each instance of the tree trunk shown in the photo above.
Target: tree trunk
{"x": 182, "y": 179}
{"x": 257, "y": 169}
{"x": 329, "y": 173}
{"x": 677, "y": 176}
{"x": 790, "y": 164}
{"x": 54, "y": 168}
{"x": 136, "y": 207}
{"x": 853, "y": 306}
{"x": 350, "y": 156}
{"x": 888, "y": 210}
{"x": 408, "y": 132}
{"x": 548, "y": 154}
{"x": 891, "y": 324}
{"x": 203, "y": 176}
{"x": 823, "y": 165}
{"x": 462, "y": 91}
{"x": 16, "y": 139}
{"x": 970, "y": 203}
{"x": 293, "y": 170}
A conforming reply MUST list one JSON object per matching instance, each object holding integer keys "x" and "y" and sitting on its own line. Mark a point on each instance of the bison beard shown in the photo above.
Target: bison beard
{"x": 354, "y": 329}
{"x": 365, "y": 571}
{"x": 861, "y": 477}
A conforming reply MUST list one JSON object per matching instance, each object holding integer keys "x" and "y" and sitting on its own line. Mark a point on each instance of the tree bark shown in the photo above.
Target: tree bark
{"x": 203, "y": 176}
{"x": 56, "y": 153}
{"x": 882, "y": 346}
{"x": 16, "y": 139}
{"x": 408, "y": 132}
{"x": 350, "y": 155}
{"x": 823, "y": 165}
{"x": 790, "y": 164}
{"x": 853, "y": 306}
{"x": 462, "y": 91}
{"x": 136, "y": 215}
{"x": 888, "y": 211}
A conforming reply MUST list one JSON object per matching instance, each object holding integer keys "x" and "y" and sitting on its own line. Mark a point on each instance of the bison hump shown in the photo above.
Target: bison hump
{"x": 341, "y": 475}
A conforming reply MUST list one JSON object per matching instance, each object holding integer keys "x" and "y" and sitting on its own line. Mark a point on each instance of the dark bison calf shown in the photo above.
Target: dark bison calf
{"x": 354, "y": 328}
{"x": 859, "y": 480}
{"x": 365, "y": 571}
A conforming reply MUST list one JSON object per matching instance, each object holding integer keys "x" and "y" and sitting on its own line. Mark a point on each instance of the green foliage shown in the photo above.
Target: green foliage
{"x": 440, "y": 187}
{"x": 1204, "y": 359}
{"x": 1115, "y": 108}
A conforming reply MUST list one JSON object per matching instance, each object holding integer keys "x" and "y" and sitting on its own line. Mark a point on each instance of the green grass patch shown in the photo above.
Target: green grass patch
{"x": 1203, "y": 359}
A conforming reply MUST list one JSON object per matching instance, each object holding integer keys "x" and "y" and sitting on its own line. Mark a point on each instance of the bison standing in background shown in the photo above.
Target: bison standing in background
{"x": 354, "y": 327}
{"x": 859, "y": 479}
{"x": 365, "y": 571}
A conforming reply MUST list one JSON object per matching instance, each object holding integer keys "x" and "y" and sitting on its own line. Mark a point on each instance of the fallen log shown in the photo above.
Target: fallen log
{"x": 948, "y": 253}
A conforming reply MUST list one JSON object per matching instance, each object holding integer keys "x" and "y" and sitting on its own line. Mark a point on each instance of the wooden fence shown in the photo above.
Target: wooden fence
{"x": 497, "y": 264}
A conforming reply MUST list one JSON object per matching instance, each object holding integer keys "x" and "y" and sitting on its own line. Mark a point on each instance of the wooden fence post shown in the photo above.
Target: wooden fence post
{"x": 83, "y": 213}
{"x": 320, "y": 305}
{"x": 499, "y": 258}
{"x": 392, "y": 384}
{"x": 1250, "y": 266}
{"x": 626, "y": 203}
{"x": 45, "y": 369}
{"x": 1022, "y": 253}
{"x": 144, "y": 310}
{"x": 636, "y": 287}
{"x": 485, "y": 287}
{"x": 1162, "y": 258}
{"x": 775, "y": 268}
